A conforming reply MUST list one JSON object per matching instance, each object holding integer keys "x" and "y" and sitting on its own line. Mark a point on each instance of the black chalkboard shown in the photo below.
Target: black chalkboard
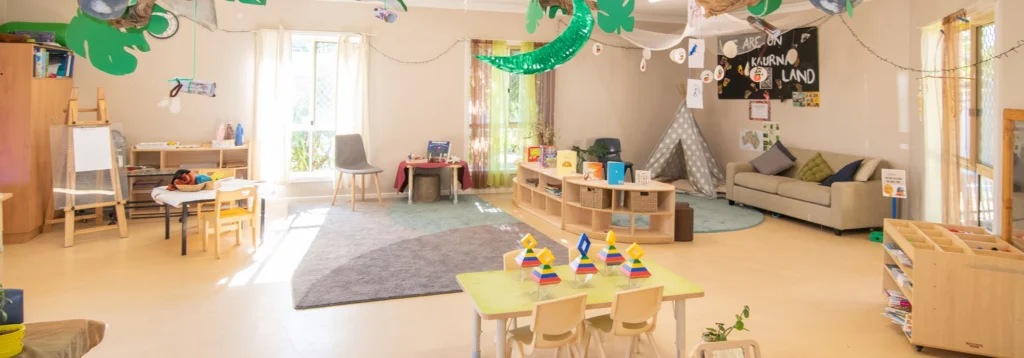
{"x": 757, "y": 49}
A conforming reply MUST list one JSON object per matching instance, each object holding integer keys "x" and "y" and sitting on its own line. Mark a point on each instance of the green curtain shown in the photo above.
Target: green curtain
{"x": 527, "y": 106}
{"x": 498, "y": 143}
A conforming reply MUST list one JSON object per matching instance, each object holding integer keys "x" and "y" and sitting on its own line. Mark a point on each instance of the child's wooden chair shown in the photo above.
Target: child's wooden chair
{"x": 634, "y": 313}
{"x": 557, "y": 324}
{"x": 221, "y": 216}
{"x": 749, "y": 347}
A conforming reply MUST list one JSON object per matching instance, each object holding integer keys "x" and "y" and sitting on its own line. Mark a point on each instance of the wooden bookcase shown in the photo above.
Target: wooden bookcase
{"x": 567, "y": 212}
{"x": 236, "y": 159}
{"x": 964, "y": 295}
{"x": 29, "y": 106}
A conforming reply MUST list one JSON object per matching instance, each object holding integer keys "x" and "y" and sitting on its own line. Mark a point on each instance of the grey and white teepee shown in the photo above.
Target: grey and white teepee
{"x": 683, "y": 152}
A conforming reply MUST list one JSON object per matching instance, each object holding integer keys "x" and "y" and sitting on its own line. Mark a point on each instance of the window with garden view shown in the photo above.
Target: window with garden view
{"x": 313, "y": 123}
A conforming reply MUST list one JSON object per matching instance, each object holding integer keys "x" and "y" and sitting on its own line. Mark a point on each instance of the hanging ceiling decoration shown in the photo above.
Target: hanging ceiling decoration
{"x": 718, "y": 7}
{"x": 104, "y": 9}
{"x": 555, "y": 53}
{"x": 204, "y": 12}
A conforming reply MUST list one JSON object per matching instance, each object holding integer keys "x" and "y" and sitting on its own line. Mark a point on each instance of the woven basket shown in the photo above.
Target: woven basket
{"x": 642, "y": 201}
{"x": 595, "y": 198}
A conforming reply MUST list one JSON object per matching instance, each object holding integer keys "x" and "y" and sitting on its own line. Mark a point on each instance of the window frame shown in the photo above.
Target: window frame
{"x": 308, "y": 123}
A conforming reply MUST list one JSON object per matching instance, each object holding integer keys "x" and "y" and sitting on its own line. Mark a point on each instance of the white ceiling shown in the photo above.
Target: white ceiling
{"x": 670, "y": 11}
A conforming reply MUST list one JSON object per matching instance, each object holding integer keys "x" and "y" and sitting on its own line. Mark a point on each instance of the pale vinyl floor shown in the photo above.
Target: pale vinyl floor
{"x": 811, "y": 294}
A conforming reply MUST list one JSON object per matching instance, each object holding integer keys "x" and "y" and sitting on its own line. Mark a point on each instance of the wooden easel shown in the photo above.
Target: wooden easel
{"x": 69, "y": 205}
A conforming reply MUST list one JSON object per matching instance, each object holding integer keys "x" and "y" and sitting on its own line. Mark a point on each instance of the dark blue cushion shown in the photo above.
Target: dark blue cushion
{"x": 844, "y": 175}
{"x": 784, "y": 150}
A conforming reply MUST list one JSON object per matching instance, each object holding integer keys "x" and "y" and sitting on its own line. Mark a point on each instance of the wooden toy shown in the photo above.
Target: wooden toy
{"x": 544, "y": 274}
{"x": 583, "y": 265}
{"x": 610, "y": 255}
{"x": 633, "y": 268}
{"x": 528, "y": 258}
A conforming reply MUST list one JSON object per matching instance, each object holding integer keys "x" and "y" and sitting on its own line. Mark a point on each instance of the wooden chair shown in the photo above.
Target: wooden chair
{"x": 634, "y": 313}
{"x": 221, "y": 216}
{"x": 557, "y": 324}
{"x": 749, "y": 347}
{"x": 350, "y": 158}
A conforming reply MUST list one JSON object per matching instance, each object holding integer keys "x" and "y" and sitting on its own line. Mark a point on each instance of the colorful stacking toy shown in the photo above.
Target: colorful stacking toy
{"x": 528, "y": 258}
{"x": 610, "y": 255}
{"x": 583, "y": 265}
{"x": 634, "y": 268}
{"x": 544, "y": 274}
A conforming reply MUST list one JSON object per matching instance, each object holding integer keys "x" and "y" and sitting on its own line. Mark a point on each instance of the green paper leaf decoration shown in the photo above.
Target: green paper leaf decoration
{"x": 554, "y": 10}
{"x": 615, "y": 16}
{"x": 252, "y": 2}
{"x": 105, "y": 47}
{"x": 554, "y": 54}
{"x": 157, "y": 24}
{"x": 534, "y": 13}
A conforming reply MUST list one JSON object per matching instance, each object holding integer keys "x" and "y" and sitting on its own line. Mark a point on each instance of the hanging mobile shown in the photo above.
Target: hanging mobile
{"x": 172, "y": 25}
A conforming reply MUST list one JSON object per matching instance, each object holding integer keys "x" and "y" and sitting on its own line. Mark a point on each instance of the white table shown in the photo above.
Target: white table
{"x": 180, "y": 199}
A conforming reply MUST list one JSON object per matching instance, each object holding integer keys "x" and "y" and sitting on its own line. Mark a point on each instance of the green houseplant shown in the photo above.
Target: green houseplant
{"x": 720, "y": 333}
{"x": 595, "y": 151}
{"x": 11, "y": 335}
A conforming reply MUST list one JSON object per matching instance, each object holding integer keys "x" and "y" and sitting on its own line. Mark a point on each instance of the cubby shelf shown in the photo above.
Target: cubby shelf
{"x": 965, "y": 296}
{"x": 572, "y": 216}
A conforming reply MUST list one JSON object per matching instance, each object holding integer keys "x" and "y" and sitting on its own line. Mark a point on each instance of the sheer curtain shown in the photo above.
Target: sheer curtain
{"x": 352, "y": 106}
{"x": 952, "y": 116}
{"x": 274, "y": 96}
{"x": 931, "y": 112}
{"x": 503, "y": 111}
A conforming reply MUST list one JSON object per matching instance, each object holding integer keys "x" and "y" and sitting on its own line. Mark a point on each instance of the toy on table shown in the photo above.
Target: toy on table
{"x": 527, "y": 258}
{"x": 633, "y": 268}
{"x": 610, "y": 255}
{"x": 544, "y": 275}
{"x": 583, "y": 265}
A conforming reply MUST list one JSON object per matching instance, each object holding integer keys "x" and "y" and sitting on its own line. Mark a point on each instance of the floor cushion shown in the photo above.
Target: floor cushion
{"x": 807, "y": 191}
{"x": 761, "y": 182}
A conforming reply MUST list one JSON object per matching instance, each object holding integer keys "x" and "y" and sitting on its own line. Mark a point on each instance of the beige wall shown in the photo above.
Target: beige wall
{"x": 863, "y": 110}
{"x": 3, "y": 11}
{"x": 409, "y": 104}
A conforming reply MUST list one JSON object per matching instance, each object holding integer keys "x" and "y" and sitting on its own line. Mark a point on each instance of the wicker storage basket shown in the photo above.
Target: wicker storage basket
{"x": 642, "y": 201}
{"x": 595, "y": 198}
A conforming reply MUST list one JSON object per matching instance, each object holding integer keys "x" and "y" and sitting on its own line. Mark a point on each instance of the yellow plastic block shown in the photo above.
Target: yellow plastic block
{"x": 635, "y": 251}
{"x": 528, "y": 241}
{"x": 546, "y": 257}
{"x": 611, "y": 238}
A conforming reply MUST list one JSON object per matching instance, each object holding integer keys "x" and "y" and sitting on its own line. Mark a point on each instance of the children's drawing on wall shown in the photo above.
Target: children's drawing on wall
{"x": 694, "y": 93}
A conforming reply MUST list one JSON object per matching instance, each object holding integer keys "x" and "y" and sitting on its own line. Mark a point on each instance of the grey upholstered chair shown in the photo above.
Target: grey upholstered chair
{"x": 350, "y": 158}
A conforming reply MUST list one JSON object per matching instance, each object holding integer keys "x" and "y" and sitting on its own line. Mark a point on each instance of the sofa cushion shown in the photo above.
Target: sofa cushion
{"x": 806, "y": 191}
{"x": 772, "y": 162}
{"x": 760, "y": 182}
{"x": 867, "y": 169}
{"x": 815, "y": 170}
{"x": 845, "y": 174}
{"x": 784, "y": 150}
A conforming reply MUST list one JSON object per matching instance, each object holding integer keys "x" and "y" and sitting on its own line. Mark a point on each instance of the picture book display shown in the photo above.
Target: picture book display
{"x": 532, "y": 154}
{"x": 438, "y": 149}
{"x": 566, "y": 160}
{"x": 593, "y": 170}
{"x": 616, "y": 173}
{"x": 548, "y": 157}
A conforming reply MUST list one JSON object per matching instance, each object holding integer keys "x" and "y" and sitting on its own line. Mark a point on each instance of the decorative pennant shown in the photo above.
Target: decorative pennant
{"x": 719, "y": 73}
{"x": 706, "y": 76}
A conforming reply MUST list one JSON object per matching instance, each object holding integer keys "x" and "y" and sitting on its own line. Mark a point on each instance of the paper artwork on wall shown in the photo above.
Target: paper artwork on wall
{"x": 696, "y": 53}
{"x": 750, "y": 139}
{"x": 772, "y": 135}
{"x": 643, "y": 65}
{"x": 760, "y": 110}
{"x": 807, "y": 99}
{"x": 678, "y": 55}
{"x": 694, "y": 93}
{"x": 719, "y": 73}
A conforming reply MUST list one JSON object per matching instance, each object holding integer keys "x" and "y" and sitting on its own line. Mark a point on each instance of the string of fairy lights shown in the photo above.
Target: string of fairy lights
{"x": 816, "y": 22}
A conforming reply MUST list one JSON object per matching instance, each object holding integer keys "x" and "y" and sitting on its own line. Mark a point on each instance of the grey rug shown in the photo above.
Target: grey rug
{"x": 401, "y": 250}
{"x": 709, "y": 215}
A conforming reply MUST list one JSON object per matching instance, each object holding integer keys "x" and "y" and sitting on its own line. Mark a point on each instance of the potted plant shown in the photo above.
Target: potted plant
{"x": 11, "y": 335}
{"x": 720, "y": 333}
{"x": 596, "y": 151}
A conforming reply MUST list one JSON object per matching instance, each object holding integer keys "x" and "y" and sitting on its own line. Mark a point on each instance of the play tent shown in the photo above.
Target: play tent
{"x": 683, "y": 153}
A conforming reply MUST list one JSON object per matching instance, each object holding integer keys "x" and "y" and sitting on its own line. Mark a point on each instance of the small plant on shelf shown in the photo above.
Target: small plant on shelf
{"x": 721, "y": 332}
{"x": 596, "y": 151}
{"x": 11, "y": 335}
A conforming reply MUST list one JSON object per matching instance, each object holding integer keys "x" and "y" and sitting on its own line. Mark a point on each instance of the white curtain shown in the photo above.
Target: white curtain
{"x": 931, "y": 115}
{"x": 274, "y": 97}
{"x": 353, "y": 57}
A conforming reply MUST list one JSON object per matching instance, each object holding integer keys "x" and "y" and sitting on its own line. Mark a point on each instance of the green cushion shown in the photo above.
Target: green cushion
{"x": 815, "y": 170}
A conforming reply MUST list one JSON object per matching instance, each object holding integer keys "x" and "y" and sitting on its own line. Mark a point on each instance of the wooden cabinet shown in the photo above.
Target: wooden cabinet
{"x": 28, "y": 107}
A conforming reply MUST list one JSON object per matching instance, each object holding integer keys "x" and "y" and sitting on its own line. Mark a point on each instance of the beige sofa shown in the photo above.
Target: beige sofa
{"x": 844, "y": 206}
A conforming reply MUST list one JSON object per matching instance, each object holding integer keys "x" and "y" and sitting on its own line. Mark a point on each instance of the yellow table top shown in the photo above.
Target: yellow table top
{"x": 500, "y": 294}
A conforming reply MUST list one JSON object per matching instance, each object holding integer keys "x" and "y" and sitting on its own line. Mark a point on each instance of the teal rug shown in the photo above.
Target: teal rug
{"x": 709, "y": 215}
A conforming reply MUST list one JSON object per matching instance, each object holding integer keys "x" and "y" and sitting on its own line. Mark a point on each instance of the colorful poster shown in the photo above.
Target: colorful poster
{"x": 760, "y": 110}
{"x": 751, "y": 139}
{"x": 894, "y": 183}
{"x": 772, "y": 135}
{"x": 438, "y": 149}
{"x": 532, "y": 154}
{"x": 807, "y": 99}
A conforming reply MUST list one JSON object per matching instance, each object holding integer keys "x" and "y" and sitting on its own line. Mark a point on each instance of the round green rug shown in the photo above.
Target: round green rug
{"x": 709, "y": 215}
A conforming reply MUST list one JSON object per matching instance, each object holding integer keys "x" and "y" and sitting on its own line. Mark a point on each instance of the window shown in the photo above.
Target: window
{"x": 513, "y": 130}
{"x": 979, "y": 125}
{"x": 314, "y": 111}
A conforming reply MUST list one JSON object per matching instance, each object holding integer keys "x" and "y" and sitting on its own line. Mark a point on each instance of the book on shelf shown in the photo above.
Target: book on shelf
{"x": 900, "y": 255}
{"x": 554, "y": 191}
{"x": 898, "y": 300}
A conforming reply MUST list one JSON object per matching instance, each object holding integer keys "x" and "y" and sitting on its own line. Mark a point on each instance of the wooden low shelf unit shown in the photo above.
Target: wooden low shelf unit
{"x": 568, "y": 213}
{"x": 965, "y": 296}
{"x": 237, "y": 160}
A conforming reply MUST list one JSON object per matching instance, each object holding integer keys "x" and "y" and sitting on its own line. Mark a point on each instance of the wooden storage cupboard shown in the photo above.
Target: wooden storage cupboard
{"x": 967, "y": 290}
{"x": 28, "y": 107}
